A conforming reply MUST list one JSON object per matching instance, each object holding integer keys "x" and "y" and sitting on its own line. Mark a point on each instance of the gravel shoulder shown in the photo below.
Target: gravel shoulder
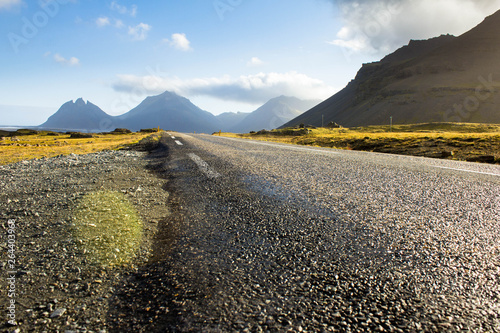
{"x": 55, "y": 287}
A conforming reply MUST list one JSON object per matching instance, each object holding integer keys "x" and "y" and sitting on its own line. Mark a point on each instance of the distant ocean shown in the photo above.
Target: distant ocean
{"x": 15, "y": 128}
{"x": 37, "y": 128}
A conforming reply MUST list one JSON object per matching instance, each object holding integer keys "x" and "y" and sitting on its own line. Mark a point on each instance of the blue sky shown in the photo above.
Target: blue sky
{"x": 224, "y": 55}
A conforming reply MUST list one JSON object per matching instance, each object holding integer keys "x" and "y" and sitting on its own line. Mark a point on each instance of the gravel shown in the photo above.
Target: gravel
{"x": 282, "y": 240}
{"x": 57, "y": 289}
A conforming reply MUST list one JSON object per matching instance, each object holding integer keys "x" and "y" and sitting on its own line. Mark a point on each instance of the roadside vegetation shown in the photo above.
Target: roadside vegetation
{"x": 107, "y": 228}
{"x": 29, "y": 144}
{"x": 457, "y": 141}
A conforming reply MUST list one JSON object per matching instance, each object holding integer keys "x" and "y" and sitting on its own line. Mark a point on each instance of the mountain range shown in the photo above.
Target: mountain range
{"x": 443, "y": 79}
{"x": 171, "y": 111}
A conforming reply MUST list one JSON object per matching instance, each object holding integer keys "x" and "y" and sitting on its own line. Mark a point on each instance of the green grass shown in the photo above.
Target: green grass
{"x": 107, "y": 228}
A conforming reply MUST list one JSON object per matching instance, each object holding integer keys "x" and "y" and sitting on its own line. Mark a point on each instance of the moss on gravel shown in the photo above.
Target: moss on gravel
{"x": 107, "y": 228}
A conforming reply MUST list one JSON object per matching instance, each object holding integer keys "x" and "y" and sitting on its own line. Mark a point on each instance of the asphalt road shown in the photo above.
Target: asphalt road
{"x": 271, "y": 237}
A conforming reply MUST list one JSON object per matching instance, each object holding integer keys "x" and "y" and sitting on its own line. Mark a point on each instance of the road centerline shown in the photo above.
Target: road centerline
{"x": 204, "y": 167}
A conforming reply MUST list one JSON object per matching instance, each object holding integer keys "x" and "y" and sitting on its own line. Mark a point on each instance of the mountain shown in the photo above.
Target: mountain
{"x": 80, "y": 115}
{"x": 229, "y": 119}
{"x": 441, "y": 79}
{"x": 169, "y": 111}
{"x": 273, "y": 114}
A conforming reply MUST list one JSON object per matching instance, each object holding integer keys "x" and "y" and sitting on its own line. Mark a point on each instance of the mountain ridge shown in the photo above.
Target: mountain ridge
{"x": 436, "y": 80}
{"x": 79, "y": 115}
{"x": 273, "y": 114}
{"x": 171, "y": 111}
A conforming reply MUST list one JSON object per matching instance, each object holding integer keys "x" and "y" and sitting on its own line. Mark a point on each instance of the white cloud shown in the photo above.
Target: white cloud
{"x": 179, "y": 41}
{"x": 255, "y": 62}
{"x": 102, "y": 21}
{"x": 140, "y": 31}
{"x": 132, "y": 11}
{"x": 73, "y": 61}
{"x": 252, "y": 89}
{"x": 60, "y": 59}
{"x": 105, "y": 21}
{"x": 381, "y": 26}
{"x": 119, "y": 24}
{"x": 7, "y": 4}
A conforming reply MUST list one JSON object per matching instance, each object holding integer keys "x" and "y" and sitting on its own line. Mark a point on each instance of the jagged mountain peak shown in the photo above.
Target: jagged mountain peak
{"x": 80, "y": 102}
{"x": 80, "y": 115}
{"x": 167, "y": 95}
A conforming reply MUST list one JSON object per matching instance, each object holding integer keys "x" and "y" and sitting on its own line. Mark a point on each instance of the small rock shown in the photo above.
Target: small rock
{"x": 445, "y": 154}
{"x": 57, "y": 313}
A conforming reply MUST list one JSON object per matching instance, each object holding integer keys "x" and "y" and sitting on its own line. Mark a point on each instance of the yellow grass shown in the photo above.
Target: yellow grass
{"x": 45, "y": 145}
{"x": 401, "y": 132}
{"x": 454, "y": 140}
{"x": 107, "y": 228}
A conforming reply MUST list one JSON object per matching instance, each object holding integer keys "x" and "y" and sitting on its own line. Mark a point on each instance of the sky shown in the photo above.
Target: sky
{"x": 224, "y": 55}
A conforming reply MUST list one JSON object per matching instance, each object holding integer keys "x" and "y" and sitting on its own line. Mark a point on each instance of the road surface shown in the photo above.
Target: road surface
{"x": 272, "y": 237}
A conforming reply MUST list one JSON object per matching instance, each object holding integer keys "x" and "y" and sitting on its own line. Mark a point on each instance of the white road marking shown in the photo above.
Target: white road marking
{"x": 204, "y": 167}
{"x": 336, "y": 153}
{"x": 465, "y": 170}
{"x": 178, "y": 142}
{"x": 309, "y": 149}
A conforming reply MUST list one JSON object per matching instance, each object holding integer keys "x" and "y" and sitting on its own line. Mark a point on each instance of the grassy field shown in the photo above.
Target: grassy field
{"x": 22, "y": 145}
{"x": 458, "y": 141}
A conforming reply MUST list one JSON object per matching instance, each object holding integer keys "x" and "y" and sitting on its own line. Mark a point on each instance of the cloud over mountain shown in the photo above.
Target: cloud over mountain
{"x": 380, "y": 26}
{"x": 253, "y": 89}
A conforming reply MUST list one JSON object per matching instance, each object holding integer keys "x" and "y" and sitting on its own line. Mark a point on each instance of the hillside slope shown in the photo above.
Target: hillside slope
{"x": 441, "y": 79}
